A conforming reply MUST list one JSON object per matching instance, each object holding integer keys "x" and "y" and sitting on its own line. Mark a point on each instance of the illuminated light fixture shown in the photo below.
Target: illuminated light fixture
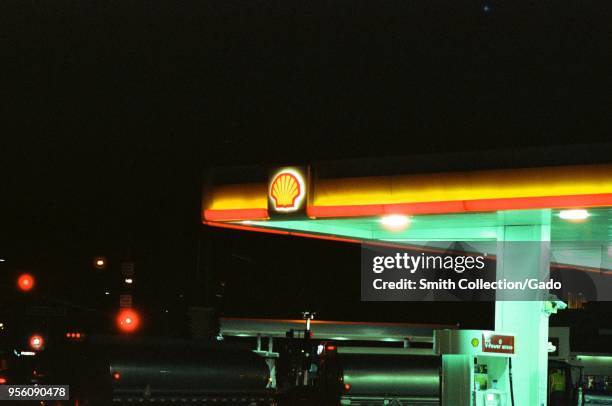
{"x": 395, "y": 221}
{"x": 116, "y": 376}
{"x": 27, "y": 353}
{"x": 347, "y": 387}
{"x": 128, "y": 320}
{"x": 129, "y": 281}
{"x": 574, "y": 214}
{"x": 100, "y": 262}
{"x": 3, "y": 380}
{"x": 595, "y": 358}
{"x": 36, "y": 342}
{"x": 488, "y": 234}
{"x": 2, "y": 260}
{"x": 330, "y": 348}
{"x": 107, "y": 293}
{"x": 25, "y": 282}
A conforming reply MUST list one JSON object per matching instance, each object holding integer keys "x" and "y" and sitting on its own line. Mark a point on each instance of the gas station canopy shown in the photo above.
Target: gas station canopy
{"x": 458, "y": 192}
{"x": 457, "y": 206}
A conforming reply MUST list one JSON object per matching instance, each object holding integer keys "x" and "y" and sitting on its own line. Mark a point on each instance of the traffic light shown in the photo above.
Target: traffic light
{"x": 128, "y": 320}
{"x": 75, "y": 336}
{"x": 25, "y": 282}
{"x": 36, "y": 342}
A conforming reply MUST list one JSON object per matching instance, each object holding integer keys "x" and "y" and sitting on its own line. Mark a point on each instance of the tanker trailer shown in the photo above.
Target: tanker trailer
{"x": 111, "y": 370}
{"x": 370, "y": 378}
{"x": 217, "y": 375}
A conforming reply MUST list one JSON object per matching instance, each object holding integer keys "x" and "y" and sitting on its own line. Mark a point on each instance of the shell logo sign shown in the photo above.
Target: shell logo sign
{"x": 287, "y": 191}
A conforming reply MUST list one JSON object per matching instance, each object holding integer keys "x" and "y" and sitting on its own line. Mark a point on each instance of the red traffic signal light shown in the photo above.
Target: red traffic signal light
{"x": 25, "y": 282}
{"x": 36, "y": 342}
{"x": 128, "y": 320}
{"x": 77, "y": 336}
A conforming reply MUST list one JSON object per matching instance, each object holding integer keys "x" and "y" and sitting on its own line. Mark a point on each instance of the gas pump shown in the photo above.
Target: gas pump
{"x": 476, "y": 367}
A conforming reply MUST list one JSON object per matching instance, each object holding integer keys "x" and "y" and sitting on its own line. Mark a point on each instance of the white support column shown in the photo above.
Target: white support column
{"x": 521, "y": 255}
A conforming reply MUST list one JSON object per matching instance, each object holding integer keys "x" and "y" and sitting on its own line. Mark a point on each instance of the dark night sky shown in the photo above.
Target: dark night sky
{"x": 113, "y": 109}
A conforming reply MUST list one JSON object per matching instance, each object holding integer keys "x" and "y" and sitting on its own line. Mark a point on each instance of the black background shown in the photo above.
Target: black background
{"x": 113, "y": 109}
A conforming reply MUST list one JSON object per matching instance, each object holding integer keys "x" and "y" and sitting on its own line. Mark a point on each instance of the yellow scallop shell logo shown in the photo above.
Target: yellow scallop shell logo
{"x": 285, "y": 190}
